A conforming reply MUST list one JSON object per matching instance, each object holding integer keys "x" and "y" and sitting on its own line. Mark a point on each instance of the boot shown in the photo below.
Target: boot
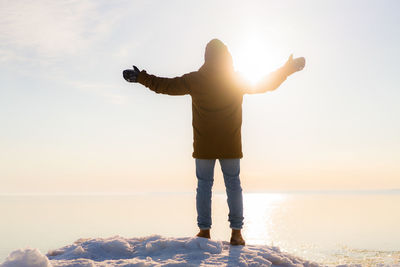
{"x": 236, "y": 238}
{"x": 204, "y": 233}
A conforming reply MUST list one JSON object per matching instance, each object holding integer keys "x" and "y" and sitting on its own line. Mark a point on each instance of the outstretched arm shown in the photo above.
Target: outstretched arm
{"x": 160, "y": 85}
{"x": 276, "y": 78}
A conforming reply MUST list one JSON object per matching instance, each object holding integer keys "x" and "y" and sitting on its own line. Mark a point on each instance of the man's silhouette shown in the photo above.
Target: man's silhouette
{"x": 217, "y": 95}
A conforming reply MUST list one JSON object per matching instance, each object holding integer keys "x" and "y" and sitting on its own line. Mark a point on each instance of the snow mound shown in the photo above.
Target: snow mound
{"x": 26, "y": 257}
{"x": 154, "y": 251}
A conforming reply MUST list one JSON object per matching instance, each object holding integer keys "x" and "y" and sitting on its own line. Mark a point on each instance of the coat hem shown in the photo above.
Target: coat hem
{"x": 216, "y": 156}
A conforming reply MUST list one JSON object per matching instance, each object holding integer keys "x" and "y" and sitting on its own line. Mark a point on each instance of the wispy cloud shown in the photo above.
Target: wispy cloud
{"x": 51, "y": 29}
{"x": 57, "y": 40}
{"x": 105, "y": 90}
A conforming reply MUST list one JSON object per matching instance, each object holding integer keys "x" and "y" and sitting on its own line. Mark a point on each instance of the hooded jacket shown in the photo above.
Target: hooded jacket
{"x": 217, "y": 96}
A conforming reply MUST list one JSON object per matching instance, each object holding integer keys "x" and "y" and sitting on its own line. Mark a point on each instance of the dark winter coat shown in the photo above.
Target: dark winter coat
{"x": 217, "y": 96}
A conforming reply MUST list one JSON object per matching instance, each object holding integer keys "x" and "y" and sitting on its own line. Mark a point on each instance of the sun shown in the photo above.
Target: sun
{"x": 254, "y": 59}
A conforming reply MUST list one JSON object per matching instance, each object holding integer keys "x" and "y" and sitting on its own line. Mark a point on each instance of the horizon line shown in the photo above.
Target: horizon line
{"x": 313, "y": 191}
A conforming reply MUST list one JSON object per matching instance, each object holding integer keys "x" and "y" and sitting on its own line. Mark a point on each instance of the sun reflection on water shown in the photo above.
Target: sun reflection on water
{"x": 259, "y": 208}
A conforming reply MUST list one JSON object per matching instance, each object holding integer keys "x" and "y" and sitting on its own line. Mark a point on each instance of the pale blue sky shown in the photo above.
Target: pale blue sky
{"x": 70, "y": 123}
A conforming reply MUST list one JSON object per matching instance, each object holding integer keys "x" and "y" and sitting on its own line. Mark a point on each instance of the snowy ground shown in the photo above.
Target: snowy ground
{"x": 154, "y": 251}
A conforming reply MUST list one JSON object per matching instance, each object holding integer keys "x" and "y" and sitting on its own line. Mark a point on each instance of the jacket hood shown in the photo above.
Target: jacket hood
{"x": 217, "y": 57}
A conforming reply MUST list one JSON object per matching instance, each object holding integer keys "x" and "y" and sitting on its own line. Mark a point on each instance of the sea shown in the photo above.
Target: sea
{"x": 330, "y": 227}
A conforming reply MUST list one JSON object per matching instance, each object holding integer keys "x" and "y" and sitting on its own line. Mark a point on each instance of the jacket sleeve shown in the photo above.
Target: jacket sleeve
{"x": 170, "y": 86}
{"x": 269, "y": 83}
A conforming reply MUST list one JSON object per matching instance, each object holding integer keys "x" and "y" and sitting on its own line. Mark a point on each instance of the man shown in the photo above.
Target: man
{"x": 217, "y": 96}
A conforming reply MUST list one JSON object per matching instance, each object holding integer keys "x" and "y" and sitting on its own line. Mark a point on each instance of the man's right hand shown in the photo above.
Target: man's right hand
{"x": 293, "y": 65}
{"x": 131, "y": 75}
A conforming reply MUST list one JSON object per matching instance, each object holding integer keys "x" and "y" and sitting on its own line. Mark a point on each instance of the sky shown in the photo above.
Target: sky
{"x": 71, "y": 124}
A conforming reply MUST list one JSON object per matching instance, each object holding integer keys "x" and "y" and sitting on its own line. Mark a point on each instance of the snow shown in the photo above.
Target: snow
{"x": 154, "y": 251}
{"x": 26, "y": 257}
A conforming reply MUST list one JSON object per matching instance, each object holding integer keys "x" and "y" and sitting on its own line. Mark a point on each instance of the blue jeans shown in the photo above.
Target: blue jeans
{"x": 205, "y": 179}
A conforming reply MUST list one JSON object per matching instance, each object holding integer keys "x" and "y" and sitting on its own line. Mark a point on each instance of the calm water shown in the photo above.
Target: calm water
{"x": 327, "y": 228}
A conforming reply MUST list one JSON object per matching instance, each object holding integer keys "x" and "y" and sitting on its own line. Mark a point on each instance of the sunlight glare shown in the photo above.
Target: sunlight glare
{"x": 254, "y": 59}
{"x": 259, "y": 208}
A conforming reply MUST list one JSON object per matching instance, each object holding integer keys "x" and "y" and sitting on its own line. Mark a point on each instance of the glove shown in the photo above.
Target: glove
{"x": 293, "y": 65}
{"x": 131, "y": 75}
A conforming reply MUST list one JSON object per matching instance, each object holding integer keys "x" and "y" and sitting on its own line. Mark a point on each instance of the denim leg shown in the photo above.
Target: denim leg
{"x": 205, "y": 180}
{"x": 231, "y": 170}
